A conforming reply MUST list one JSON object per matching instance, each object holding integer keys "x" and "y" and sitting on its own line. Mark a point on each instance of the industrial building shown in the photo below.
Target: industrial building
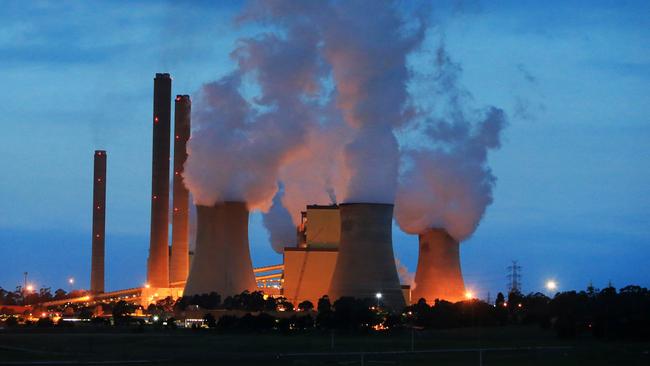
{"x": 340, "y": 250}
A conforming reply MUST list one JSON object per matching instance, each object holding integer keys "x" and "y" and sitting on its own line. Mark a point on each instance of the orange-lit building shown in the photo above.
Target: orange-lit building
{"x": 308, "y": 268}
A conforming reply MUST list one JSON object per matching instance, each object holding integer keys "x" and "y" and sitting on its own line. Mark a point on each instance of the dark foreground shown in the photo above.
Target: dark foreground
{"x": 491, "y": 346}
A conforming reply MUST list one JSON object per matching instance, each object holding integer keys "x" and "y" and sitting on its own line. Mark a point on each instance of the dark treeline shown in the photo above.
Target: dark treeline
{"x": 603, "y": 313}
{"x": 606, "y": 313}
{"x": 22, "y": 297}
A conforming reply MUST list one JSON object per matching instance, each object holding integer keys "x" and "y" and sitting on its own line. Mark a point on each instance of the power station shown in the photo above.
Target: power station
{"x": 438, "y": 274}
{"x": 158, "y": 262}
{"x": 222, "y": 261}
{"x": 99, "y": 223}
{"x": 179, "y": 261}
{"x": 340, "y": 250}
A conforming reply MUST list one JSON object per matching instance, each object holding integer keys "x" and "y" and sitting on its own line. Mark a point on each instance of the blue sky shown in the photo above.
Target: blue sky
{"x": 572, "y": 200}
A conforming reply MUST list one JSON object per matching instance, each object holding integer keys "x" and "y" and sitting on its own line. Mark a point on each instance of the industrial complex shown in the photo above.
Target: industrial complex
{"x": 340, "y": 250}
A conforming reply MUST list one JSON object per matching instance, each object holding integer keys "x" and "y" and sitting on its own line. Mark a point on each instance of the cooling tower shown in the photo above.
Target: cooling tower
{"x": 365, "y": 265}
{"x": 99, "y": 216}
{"x": 179, "y": 261}
{"x": 438, "y": 275}
{"x": 222, "y": 261}
{"x": 158, "y": 262}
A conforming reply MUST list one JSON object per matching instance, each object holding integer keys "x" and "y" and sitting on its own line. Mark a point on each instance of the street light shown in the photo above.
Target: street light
{"x": 551, "y": 285}
{"x": 378, "y": 296}
{"x": 469, "y": 295}
{"x": 71, "y": 281}
{"x": 30, "y": 288}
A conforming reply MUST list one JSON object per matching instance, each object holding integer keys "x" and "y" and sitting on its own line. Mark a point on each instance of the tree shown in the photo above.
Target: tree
{"x": 324, "y": 304}
{"x": 59, "y": 294}
{"x": 210, "y": 320}
{"x": 500, "y": 299}
{"x": 306, "y": 306}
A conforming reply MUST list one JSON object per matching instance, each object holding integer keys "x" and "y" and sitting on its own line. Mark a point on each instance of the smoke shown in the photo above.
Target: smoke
{"x": 368, "y": 56}
{"x": 314, "y": 104}
{"x": 240, "y": 141}
{"x": 405, "y": 277}
{"x": 278, "y": 222}
{"x": 447, "y": 183}
{"x": 352, "y": 151}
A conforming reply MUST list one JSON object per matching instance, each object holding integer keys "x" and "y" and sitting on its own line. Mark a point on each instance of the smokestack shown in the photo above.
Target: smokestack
{"x": 99, "y": 221}
{"x": 179, "y": 261}
{"x": 222, "y": 261}
{"x": 438, "y": 275}
{"x": 158, "y": 262}
{"x": 366, "y": 265}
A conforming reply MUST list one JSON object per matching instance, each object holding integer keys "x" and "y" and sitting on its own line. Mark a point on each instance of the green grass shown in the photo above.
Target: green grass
{"x": 205, "y": 347}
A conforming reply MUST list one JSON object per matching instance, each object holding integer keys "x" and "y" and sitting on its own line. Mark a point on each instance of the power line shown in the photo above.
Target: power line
{"x": 514, "y": 277}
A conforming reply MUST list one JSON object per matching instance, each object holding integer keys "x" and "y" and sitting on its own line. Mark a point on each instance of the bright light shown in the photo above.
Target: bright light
{"x": 146, "y": 285}
{"x": 29, "y": 288}
{"x": 71, "y": 281}
{"x": 378, "y": 295}
{"x": 155, "y": 318}
{"x": 469, "y": 295}
{"x": 551, "y": 285}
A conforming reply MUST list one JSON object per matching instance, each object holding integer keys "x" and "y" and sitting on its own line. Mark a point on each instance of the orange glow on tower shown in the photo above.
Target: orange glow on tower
{"x": 179, "y": 261}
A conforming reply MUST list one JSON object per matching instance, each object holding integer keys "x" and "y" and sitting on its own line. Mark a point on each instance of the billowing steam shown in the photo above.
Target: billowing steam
{"x": 405, "y": 276}
{"x": 314, "y": 103}
{"x": 448, "y": 184}
{"x": 239, "y": 142}
{"x": 278, "y": 222}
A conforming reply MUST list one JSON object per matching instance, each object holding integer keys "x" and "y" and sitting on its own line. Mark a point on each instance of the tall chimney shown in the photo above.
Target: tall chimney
{"x": 365, "y": 265}
{"x": 179, "y": 261}
{"x": 222, "y": 261}
{"x": 158, "y": 262}
{"x": 99, "y": 220}
{"x": 438, "y": 275}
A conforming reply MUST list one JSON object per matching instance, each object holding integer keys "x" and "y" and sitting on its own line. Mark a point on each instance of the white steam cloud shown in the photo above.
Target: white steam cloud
{"x": 314, "y": 105}
{"x": 448, "y": 184}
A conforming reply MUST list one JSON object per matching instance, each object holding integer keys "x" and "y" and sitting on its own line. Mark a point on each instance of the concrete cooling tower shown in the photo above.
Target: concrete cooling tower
{"x": 366, "y": 265}
{"x": 438, "y": 275}
{"x": 222, "y": 261}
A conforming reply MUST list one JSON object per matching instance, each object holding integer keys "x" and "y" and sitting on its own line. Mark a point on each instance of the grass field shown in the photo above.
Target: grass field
{"x": 501, "y": 346}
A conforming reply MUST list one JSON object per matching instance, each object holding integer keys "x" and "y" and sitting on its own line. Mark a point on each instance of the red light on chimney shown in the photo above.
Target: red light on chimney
{"x": 178, "y": 98}
{"x": 177, "y": 137}
{"x": 175, "y": 209}
{"x": 155, "y": 119}
{"x": 98, "y": 207}
{"x": 154, "y": 196}
{"x": 175, "y": 173}
{"x": 97, "y": 236}
{"x": 99, "y": 179}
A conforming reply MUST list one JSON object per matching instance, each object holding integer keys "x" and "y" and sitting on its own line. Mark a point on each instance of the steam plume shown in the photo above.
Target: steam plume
{"x": 239, "y": 143}
{"x": 278, "y": 222}
{"x": 448, "y": 184}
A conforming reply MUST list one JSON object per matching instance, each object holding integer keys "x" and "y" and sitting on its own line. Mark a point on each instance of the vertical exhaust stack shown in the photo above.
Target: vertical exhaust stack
{"x": 99, "y": 223}
{"x": 222, "y": 261}
{"x": 158, "y": 262}
{"x": 179, "y": 262}
{"x": 438, "y": 275}
{"x": 366, "y": 265}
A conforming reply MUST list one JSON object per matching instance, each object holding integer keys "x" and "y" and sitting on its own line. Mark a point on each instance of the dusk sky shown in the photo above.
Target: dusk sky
{"x": 572, "y": 196}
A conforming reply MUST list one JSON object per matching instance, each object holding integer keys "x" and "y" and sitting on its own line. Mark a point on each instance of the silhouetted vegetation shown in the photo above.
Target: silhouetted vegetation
{"x": 606, "y": 313}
